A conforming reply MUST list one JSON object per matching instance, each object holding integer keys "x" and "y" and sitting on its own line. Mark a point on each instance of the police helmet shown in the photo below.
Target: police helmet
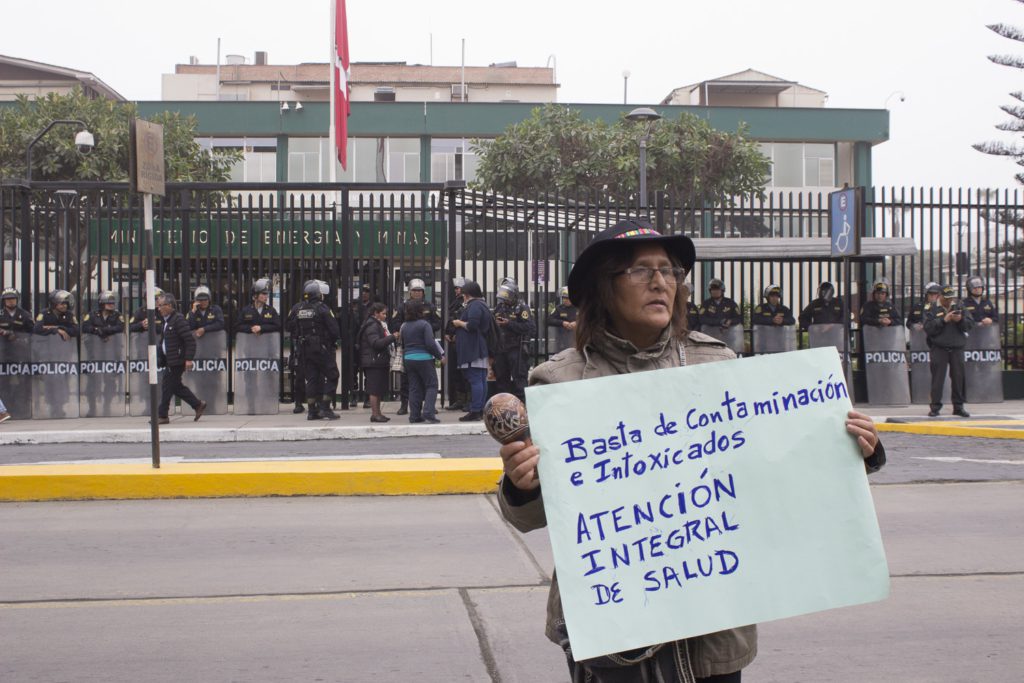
{"x": 202, "y": 293}
{"x": 933, "y": 288}
{"x": 563, "y": 293}
{"x": 10, "y": 293}
{"x": 508, "y": 292}
{"x": 60, "y": 296}
{"x": 416, "y": 283}
{"x": 261, "y": 286}
{"x": 826, "y": 290}
{"x": 772, "y": 289}
{"x": 881, "y": 285}
{"x": 509, "y": 281}
{"x": 311, "y": 291}
{"x": 324, "y": 287}
{"x": 716, "y": 284}
{"x": 974, "y": 282}
{"x": 107, "y": 297}
{"x": 459, "y": 282}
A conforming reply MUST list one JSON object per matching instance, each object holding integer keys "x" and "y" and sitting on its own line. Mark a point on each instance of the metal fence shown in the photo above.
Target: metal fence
{"x": 86, "y": 238}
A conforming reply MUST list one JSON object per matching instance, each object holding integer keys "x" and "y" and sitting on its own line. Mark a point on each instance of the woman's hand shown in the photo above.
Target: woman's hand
{"x": 519, "y": 460}
{"x": 862, "y": 427}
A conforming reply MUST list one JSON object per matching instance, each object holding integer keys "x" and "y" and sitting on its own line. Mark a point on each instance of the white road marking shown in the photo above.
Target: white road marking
{"x": 284, "y": 458}
{"x": 952, "y": 458}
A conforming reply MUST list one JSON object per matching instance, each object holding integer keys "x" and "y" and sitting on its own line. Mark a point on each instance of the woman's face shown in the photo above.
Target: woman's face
{"x": 381, "y": 315}
{"x": 642, "y": 311}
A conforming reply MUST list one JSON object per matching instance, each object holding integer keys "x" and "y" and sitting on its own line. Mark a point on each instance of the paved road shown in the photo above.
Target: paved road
{"x": 912, "y": 458}
{"x": 440, "y": 589}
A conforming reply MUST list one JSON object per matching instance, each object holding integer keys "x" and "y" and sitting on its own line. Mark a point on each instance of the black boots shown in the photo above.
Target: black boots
{"x": 326, "y": 413}
{"x": 403, "y": 409}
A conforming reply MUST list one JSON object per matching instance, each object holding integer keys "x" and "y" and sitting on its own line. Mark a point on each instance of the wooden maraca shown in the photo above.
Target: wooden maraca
{"x": 506, "y": 420}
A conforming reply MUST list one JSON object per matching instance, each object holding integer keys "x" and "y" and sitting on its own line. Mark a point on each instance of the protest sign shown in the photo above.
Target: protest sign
{"x": 690, "y": 500}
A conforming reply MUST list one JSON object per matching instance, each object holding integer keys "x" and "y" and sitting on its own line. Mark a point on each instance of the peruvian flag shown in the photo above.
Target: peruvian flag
{"x": 340, "y": 107}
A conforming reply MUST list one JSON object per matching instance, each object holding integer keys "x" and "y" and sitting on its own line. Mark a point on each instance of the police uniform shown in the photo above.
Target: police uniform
{"x": 136, "y": 324}
{"x": 15, "y": 321}
{"x": 65, "y": 321}
{"x": 103, "y": 326}
{"x": 764, "y": 314}
{"x": 458, "y": 388}
{"x": 716, "y": 312}
{"x": 268, "y": 319}
{"x": 511, "y": 364}
{"x": 294, "y": 364}
{"x": 979, "y": 309}
{"x": 946, "y": 342}
{"x": 211, "y": 320}
{"x": 873, "y": 311}
{"x": 563, "y": 313}
{"x": 315, "y": 333}
{"x": 917, "y": 313}
{"x": 822, "y": 311}
{"x": 692, "y": 316}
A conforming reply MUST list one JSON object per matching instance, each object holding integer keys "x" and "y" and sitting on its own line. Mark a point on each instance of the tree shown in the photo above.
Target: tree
{"x": 1010, "y": 254}
{"x": 55, "y": 157}
{"x": 556, "y": 150}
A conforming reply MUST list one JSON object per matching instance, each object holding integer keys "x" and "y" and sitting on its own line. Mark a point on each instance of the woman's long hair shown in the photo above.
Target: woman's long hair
{"x": 593, "y": 317}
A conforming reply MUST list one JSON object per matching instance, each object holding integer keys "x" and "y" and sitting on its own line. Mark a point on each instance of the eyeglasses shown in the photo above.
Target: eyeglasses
{"x": 642, "y": 275}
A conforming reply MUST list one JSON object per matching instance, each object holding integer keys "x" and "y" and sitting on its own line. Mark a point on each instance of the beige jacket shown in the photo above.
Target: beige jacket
{"x": 711, "y": 654}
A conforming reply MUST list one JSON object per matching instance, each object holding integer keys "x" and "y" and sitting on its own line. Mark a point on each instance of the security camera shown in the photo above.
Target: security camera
{"x": 85, "y": 141}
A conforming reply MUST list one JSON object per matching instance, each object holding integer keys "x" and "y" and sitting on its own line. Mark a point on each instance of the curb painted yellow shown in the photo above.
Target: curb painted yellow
{"x": 426, "y": 476}
{"x": 977, "y": 429}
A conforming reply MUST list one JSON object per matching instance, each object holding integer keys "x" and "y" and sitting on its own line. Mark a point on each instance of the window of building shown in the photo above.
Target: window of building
{"x": 801, "y": 164}
{"x": 452, "y": 159}
{"x": 259, "y": 158}
{"x": 370, "y": 160}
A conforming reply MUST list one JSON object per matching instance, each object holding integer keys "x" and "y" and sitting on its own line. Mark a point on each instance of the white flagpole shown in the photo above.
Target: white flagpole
{"x": 334, "y": 57}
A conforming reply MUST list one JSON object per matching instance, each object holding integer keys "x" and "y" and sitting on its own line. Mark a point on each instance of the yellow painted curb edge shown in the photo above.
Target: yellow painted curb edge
{"x": 247, "y": 479}
{"x": 951, "y": 430}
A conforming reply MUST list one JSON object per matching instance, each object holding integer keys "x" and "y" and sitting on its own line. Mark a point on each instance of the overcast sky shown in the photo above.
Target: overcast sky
{"x": 859, "y": 53}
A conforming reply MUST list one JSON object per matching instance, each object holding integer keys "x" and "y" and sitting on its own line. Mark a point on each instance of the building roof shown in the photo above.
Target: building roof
{"x": 22, "y": 69}
{"x": 748, "y": 82}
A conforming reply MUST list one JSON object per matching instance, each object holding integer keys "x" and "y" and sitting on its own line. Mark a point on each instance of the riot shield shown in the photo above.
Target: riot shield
{"x": 983, "y": 373}
{"x": 831, "y": 334}
{"x": 774, "y": 339}
{"x": 104, "y": 372}
{"x": 138, "y": 375}
{"x": 54, "y": 377}
{"x": 257, "y": 368}
{"x": 885, "y": 357}
{"x": 732, "y": 336}
{"x": 921, "y": 371}
{"x": 208, "y": 378}
{"x": 16, "y": 375}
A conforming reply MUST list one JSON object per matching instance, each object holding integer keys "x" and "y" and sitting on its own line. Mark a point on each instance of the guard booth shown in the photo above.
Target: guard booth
{"x": 831, "y": 334}
{"x": 983, "y": 373}
{"x": 732, "y": 336}
{"x": 208, "y": 378}
{"x": 257, "y": 368}
{"x": 774, "y": 339}
{"x": 104, "y": 373}
{"x": 138, "y": 375}
{"x": 885, "y": 358}
{"x": 921, "y": 371}
{"x": 15, "y": 375}
{"x": 54, "y": 377}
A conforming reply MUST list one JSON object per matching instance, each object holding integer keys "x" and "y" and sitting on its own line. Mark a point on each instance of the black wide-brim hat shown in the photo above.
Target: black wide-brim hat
{"x": 626, "y": 233}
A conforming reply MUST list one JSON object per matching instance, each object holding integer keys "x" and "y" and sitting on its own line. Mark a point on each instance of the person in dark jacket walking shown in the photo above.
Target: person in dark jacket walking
{"x": 375, "y": 344}
{"x": 947, "y": 326}
{"x": 474, "y": 353}
{"x": 420, "y": 352}
{"x": 176, "y": 351}
{"x": 106, "y": 320}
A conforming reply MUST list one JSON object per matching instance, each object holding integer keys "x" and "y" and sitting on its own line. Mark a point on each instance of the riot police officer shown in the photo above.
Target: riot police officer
{"x": 140, "y": 319}
{"x": 563, "y": 320}
{"x": 719, "y": 310}
{"x": 417, "y": 292}
{"x": 205, "y": 316}
{"x": 977, "y": 305}
{"x": 106, "y": 320}
{"x": 772, "y": 312}
{"x": 458, "y": 388}
{"x": 13, "y": 318}
{"x": 825, "y": 309}
{"x": 915, "y": 321}
{"x": 315, "y": 332}
{"x": 880, "y": 312}
{"x": 259, "y": 317}
{"x": 58, "y": 318}
{"x": 947, "y": 326}
{"x": 515, "y": 327}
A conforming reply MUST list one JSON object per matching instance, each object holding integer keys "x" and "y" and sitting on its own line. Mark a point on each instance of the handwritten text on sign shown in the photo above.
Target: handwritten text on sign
{"x": 690, "y": 500}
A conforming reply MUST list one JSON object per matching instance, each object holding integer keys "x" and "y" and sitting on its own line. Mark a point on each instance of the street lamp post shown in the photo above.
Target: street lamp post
{"x": 625, "y": 84}
{"x": 646, "y": 116}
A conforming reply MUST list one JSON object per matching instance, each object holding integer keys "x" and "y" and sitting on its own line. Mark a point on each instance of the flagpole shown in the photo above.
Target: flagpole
{"x": 334, "y": 56}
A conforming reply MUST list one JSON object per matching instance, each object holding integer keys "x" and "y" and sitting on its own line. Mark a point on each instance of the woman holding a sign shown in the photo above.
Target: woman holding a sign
{"x": 632, "y": 318}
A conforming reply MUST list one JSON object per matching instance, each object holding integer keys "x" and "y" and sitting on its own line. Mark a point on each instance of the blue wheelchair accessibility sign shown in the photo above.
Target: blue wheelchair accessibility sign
{"x": 844, "y": 219}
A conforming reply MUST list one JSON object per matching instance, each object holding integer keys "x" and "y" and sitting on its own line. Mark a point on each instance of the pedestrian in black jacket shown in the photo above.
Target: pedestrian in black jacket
{"x": 375, "y": 342}
{"x": 947, "y": 326}
{"x": 176, "y": 351}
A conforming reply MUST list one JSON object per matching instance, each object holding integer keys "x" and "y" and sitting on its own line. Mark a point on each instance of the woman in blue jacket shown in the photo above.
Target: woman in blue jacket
{"x": 421, "y": 349}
